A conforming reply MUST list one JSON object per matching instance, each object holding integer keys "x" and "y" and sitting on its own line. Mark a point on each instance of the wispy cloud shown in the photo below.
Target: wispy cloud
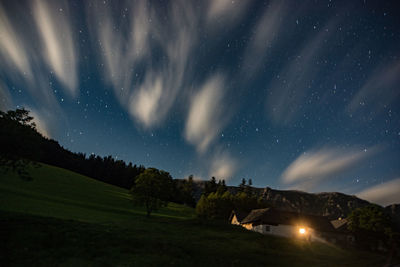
{"x": 223, "y": 166}
{"x": 264, "y": 37}
{"x": 25, "y": 64}
{"x": 53, "y": 20}
{"x": 11, "y": 48}
{"x": 146, "y": 61}
{"x": 288, "y": 91}
{"x": 384, "y": 194}
{"x": 171, "y": 76}
{"x": 312, "y": 167}
{"x": 206, "y": 116}
{"x": 225, "y": 12}
{"x": 145, "y": 102}
{"x": 379, "y": 91}
{"x": 121, "y": 50}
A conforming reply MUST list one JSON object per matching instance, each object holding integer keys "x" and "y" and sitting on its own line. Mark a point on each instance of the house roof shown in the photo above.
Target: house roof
{"x": 340, "y": 225}
{"x": 319, "y": 223}
{"x": 274, "y": 217}
{"x": 240, "y": 215}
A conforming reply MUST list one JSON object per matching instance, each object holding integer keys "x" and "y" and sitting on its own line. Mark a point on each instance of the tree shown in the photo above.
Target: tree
{"x": 19, "y": 141}
{"x": 221, "y": 188}
{"x": 370, "y": 218}
{"x": 187, "y": 191}
{"x": 210, "y": 186}
{"x": 20, "y": 116}
{"x": 370, "y": 224}
{"x": 219, "y": 205}
{"x": 242, "y": 185}
{"x": 215, "y": 206}
{"x": 202, "y": 207}
{"x": 152, "y": 189}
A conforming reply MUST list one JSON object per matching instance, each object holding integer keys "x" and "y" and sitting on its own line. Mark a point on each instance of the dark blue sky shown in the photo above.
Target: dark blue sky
{"x": 292, "y": 94}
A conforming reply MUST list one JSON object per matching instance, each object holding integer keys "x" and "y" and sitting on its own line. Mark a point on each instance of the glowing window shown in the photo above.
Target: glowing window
{"x": 302, "y": 231}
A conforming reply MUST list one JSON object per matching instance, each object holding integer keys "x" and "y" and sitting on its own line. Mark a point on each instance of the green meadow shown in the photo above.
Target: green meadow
{"x": 61, "y": 218}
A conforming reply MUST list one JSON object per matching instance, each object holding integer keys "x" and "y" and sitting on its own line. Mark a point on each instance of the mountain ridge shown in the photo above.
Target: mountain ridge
{"x": 333, "y": 205}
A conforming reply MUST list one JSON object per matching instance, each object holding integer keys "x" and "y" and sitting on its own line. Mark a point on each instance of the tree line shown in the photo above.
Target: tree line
{"x": 217, "y": 202}
{"x": 374, "y": 229}
{"x": 20, "y": 142}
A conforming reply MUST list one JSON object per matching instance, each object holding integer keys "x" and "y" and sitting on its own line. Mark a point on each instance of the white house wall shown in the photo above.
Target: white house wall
{"x": 283, "y": 230}
{"x": 280, "y": 230}
{"x": 289, "y": 231}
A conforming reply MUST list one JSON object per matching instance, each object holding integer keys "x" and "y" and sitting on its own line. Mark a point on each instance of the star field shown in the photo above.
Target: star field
{"x": 293, "y": 95}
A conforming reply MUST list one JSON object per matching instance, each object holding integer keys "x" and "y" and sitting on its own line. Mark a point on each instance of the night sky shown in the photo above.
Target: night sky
{"x": 291, "y": 94}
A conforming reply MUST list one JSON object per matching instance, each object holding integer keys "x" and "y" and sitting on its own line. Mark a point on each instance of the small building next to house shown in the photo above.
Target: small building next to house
{"x": 342, "y": 235}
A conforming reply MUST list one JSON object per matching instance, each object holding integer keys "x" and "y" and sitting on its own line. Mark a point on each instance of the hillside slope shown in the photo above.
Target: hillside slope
{"x": 60, "y": 193}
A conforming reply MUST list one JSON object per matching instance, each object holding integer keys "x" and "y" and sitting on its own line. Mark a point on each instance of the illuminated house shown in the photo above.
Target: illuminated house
{"x": 288, "y": 224}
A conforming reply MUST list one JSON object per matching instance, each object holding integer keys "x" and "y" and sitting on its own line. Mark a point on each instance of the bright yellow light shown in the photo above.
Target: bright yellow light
{"x": 302, "y": 231}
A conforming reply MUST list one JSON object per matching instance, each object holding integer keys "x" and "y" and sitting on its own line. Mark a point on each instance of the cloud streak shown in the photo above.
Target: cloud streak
{"x": 11, "y": 48}
{"x": 57, "y": 37}
{"x": 206, "y": 116}
{"x": 25, "y": 63}
{"x": 379, "y": 91}
{"x": 264, "y": 37}
{"x": 288, "y": 91}
{"x": 121, "y": 50}
{"x": 225, "y": 12}
{"x": 145, "y": 102}
{"x": 383, "y": 194}
{"x": 146, "y": 61}
{"x": 312, "y": 167}
{"x": 223, "y": 166}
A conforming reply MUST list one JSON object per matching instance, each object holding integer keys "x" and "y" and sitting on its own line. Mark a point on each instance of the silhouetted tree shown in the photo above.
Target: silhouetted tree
{"x": 220, "y": 205}
{"x": 242, "y": 185}
{"x": 210, "y": 186}
{"x": 202, "y": 207}
{"x": 19, "y": 141}
{"x": 221, "y": 188}
{"x": 188, "y": 190}
{"x": 370, "y": 224}
{"x": 152, "y": 189}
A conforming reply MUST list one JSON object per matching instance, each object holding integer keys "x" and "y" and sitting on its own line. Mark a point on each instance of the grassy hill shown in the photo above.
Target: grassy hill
{"x": 63, "y": 218}
{"x": 64, "y": 194}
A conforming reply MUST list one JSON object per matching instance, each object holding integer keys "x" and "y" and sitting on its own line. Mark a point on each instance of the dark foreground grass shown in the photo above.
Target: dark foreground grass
{"x": 32, "y": 240}
{"x": 64, "y": 219}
